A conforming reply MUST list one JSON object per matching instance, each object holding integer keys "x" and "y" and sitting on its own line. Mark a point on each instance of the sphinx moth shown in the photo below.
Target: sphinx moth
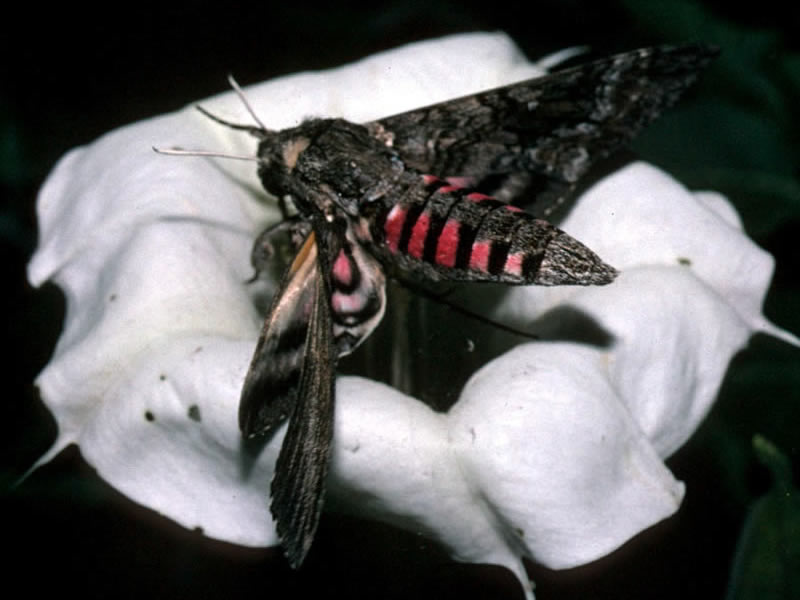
{"x": 437, "y": 193}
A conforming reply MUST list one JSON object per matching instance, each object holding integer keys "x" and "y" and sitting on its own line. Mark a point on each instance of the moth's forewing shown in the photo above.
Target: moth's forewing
{"x": 292, "y": 375}
{"x": 271, "y": 385}
{"x": 299, "y": 483}
{"x": 543, "y": 134}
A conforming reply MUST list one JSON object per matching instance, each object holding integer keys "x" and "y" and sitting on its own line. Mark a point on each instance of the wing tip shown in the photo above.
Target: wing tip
{"x": 296, "y": 521}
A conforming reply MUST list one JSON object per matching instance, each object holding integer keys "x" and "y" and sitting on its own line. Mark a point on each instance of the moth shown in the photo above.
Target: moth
{"x": 435, "y": 193}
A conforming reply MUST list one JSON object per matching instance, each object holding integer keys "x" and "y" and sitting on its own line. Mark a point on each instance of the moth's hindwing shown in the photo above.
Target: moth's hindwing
{"x": 358, "y": 293}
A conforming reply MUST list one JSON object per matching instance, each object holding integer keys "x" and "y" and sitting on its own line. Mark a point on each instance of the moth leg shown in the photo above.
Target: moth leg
{"x": 283, "y": 207}
{"x": 442, "y": 297}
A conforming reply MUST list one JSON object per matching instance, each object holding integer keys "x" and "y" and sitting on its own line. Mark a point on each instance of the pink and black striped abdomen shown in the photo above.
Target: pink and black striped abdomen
{"x": 449, "y": 232}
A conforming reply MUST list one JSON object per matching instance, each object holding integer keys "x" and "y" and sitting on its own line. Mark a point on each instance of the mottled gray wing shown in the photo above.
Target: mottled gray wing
{"x": 298, "y": 488}
{"x": 552, "y": 127}
{"x": 271, "y": 386}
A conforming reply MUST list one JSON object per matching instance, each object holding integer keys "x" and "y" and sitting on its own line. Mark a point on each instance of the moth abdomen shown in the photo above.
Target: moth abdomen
{"x": 448, "y": 232}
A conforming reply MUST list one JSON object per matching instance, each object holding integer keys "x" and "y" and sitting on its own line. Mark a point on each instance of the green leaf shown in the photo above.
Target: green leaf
{"x": 767, "y": 563}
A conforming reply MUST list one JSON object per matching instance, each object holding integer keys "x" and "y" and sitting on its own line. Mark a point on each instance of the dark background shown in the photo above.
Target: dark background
{"x": 69, "y": 76}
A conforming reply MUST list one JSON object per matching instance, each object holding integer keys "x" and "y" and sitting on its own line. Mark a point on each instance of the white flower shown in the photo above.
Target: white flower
{"x": 554, "y": 450}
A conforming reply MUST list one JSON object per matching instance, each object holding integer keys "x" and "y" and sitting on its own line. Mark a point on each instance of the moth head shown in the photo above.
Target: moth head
{"x": 258, "y": 131}
{"x": 277, "y": 156}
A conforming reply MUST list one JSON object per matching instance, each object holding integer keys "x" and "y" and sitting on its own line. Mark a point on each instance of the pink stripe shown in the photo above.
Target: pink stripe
{"x": 479, "y": 258}
{"x": 447, "y": 244}
{"x": 461, "y": 182}
{"x": 348, "y": 304}
{"x": 417, "y": 242}
{"x": 394, "y": 226}
{"x": 513, "y": 208}
{"x": 342, "y": 272}
{"x": 446, "y": 189}
{"x": 477, "y": 197}
{"x": 513, "y": 264}
{"x": 429, "y": 179}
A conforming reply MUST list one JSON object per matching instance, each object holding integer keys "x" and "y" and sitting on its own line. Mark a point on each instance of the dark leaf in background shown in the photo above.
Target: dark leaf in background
{"x": 767, "y": 564}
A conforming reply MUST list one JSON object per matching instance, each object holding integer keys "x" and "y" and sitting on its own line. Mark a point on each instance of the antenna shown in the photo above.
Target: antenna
{"x": 243, "y": 98}
{"x": 260, "y": 131}
{"x": 184, "y": 152}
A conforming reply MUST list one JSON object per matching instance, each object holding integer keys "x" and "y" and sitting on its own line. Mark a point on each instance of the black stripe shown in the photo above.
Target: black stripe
{"x": 497, "y": 257}
{"x": 539, "y": 236}
{"x": 432, "y": 239}
{"x": 530, "y": 265}
{"x": 408, "y": 225}
{"x": 377, "y": 224}
{"x": 440, "y": 208}
{"x": 466, "y": 237}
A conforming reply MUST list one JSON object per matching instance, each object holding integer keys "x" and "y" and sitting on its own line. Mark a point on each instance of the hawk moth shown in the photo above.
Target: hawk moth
{"x": 435, "y": 193}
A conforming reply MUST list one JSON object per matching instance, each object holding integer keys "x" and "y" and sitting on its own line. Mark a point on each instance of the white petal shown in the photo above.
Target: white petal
{"x": 539, "y": 458}
{"x": 175, "y": 446}
{"x": 562, "y": 468}
{"x": 642, "y": 216}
